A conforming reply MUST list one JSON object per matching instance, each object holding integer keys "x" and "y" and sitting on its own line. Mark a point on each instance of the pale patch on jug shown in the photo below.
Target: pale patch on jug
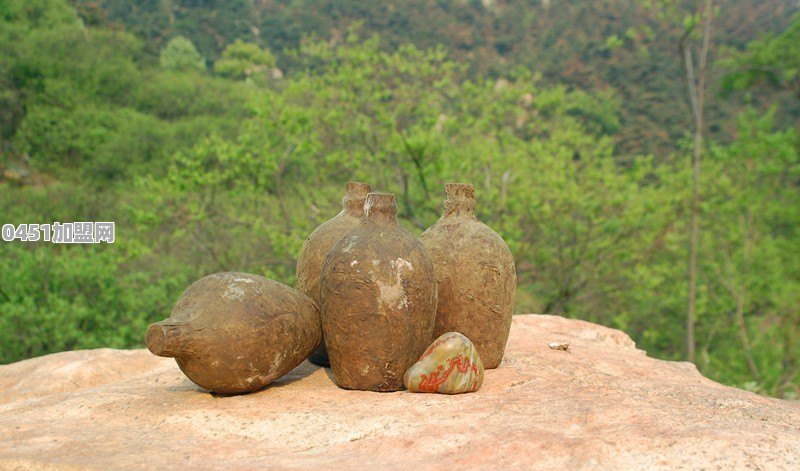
{"x": 351, "y": 242}
{"x": 394, "y": 294}
{"x": 401, "y": 263}
{"x": 278, "y": 359}
{"x": 233, "y": 292}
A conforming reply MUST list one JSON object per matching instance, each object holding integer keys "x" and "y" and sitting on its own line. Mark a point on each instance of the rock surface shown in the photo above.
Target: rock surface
{"x": 601, "y": 405}
{"x": 451, "y": 365}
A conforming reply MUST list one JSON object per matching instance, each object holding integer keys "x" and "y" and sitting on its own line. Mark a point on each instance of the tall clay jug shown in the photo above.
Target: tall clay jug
{"x": 475, "y": 274}
{"x": 378, "y": 300}
{"x": 319, "y": 243}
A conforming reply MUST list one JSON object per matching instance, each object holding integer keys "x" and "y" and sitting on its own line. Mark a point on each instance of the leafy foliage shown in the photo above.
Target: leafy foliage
{"x": 180, "y": 55}
{"x": 773, "y": 60}
{"x": 242, "y": 60}
{"x": 567, "y": 42}
{"x": 230, "y": 171}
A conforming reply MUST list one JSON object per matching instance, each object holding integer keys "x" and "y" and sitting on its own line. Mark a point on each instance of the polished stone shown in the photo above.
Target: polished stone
{"x": 451, "y": 365}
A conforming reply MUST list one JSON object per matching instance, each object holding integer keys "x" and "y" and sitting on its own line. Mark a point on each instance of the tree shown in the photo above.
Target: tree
{"x": 241, "y": 60}
{"x": 773, "y": 60}
{"x": 697, "y": 90}
{"x": 751, "y": 186}
{"x": 694, "y": 47}
{"x": 180, "y": 55}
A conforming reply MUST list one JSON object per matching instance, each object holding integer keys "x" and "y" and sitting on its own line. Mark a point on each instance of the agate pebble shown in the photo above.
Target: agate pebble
{"x": 451, "y": 365}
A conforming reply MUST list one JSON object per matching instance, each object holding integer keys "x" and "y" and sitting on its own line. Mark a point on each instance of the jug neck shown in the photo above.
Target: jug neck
{"x": 460, "y": 200}
{"x": 380, "y": 208}
{"x": 355, "y": 195}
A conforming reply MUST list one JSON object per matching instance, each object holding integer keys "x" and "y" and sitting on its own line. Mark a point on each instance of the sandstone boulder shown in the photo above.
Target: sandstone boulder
{"x": 600, "y": 404}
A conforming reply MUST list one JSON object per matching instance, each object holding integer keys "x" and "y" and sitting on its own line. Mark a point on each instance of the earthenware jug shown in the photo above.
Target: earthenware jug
{"x": 378, "y": 294}
{"x": 475, "y": 275}
{"x": 236, "y": 332}
{"x": 320, "y": 242}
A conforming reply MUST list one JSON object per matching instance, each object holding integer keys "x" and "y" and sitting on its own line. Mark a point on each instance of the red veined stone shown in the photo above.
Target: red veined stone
{"x": 451, "y": 365}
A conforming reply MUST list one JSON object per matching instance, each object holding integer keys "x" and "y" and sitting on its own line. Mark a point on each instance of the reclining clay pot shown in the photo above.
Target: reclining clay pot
{"x": 235, "y": 332}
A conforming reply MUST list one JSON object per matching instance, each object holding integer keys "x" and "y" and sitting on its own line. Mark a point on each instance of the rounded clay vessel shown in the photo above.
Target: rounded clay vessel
{"x": 236, "y": 332}
{"x": 319, "y": 243}
{"x": 475, "y": 274}
{"x": 378, "y": 300}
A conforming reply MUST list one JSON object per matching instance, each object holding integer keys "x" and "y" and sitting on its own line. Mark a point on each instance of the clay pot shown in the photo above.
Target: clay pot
{"x": 320, "y": 242}
{"x": 235, "y": 332}
{"x": 378, "y": 300}
{"x": 475, "y": 274}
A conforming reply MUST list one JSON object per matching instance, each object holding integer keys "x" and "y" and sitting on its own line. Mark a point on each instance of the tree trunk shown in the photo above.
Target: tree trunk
{"x": 697, "y": 89}
{"x": 693, "y": 240}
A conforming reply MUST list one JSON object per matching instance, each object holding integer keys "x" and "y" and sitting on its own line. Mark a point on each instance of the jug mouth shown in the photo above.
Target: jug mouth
{"x": 355, "y": 195}
{"x": 357, "y": 189}
{"x": 380, "y": 206}
{"x": 460, "y": 198}
{"x": 459, "y": 190}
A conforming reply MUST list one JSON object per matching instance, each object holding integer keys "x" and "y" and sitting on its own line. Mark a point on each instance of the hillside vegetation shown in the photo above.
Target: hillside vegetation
{"x": 214, "y": 154}
{"x": 619, "y": 50}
